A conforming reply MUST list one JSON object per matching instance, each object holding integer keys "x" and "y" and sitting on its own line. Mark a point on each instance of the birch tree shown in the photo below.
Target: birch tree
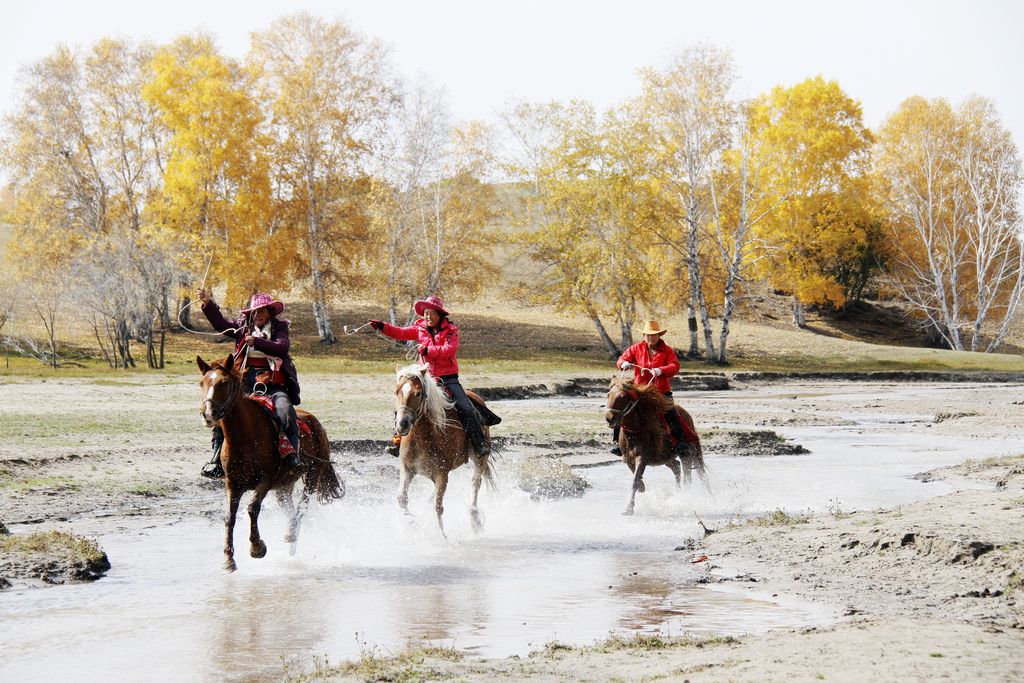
{"x": 328, "y": 90}
{"x": 692, "y": 115}
{"x": 950, "y": 181}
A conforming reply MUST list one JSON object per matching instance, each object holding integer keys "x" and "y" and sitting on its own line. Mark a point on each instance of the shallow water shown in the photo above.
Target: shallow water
{"x": 366, "y": 579}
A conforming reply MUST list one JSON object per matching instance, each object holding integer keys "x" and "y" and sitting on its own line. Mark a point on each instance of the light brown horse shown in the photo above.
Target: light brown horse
{"x": 433, "y": 441}
{"x": 644, "y": 439}
{"x": 251, "y": 460}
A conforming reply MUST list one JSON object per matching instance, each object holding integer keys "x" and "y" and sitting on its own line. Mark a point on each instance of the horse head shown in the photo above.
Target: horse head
{"x": 417, "y": 394}
{"x": 622, "y": 400}
{"x": 220, "y": 387}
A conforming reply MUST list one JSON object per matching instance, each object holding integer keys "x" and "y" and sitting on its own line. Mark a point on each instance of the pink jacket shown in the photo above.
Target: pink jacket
{"x": 437, "y": 349}
{"x": 663, "y": 357}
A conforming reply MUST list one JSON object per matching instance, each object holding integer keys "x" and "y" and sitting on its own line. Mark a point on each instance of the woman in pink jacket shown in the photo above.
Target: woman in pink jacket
{"x": 437, "y": 340}
{"x": 653, "y": 362}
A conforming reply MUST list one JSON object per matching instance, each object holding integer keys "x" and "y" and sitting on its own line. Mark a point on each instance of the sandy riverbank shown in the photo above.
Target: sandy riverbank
{"x": 925, "y": 591}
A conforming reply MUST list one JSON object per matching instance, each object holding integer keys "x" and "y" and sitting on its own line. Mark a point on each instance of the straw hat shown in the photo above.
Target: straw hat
{"x": 654, "y": 327}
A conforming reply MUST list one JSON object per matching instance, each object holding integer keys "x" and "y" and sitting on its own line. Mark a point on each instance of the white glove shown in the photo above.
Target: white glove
{"x": 656, "y": 372}
{"x": 626, "y": 365}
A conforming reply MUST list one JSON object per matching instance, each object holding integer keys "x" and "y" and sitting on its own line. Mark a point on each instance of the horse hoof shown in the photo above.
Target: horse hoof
{"x": 258, "y": 549}
{"x": 640, "y": 488}
{"x": 628, "y": 512}
{"x": 292, "y": 547}
{"x": 477, "y": 522}
{"x": 290, "y": 538}
{"x": 229, "y": 566}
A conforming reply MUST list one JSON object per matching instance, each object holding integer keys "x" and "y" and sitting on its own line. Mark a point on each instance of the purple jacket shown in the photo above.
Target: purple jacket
{"x": 277, "y": 346}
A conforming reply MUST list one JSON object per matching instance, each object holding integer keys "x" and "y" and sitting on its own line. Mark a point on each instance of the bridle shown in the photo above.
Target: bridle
{"x": 623, "y": 412}
{"x": 412, "y": 414}
{"x": 219, "y": 412}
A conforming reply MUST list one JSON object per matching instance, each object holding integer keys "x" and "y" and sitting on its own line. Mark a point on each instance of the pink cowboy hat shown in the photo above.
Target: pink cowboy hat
{"x": 264, "y": 300}
{"x": 431, "y": 301}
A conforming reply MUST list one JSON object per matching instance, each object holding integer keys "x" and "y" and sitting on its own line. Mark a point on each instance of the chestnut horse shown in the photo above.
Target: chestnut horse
{"x": 251, "y": 460}
{"x": 433, "y": 441}
{"x": 644, "y": 438}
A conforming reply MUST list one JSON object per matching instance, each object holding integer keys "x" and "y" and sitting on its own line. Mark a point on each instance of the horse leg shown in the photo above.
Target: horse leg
{"x": 440, "y": 486}
{"x": 229, "y": 531}
{"x": 284, "y": 499}
{"x": 405, "y": 478}
{"x": 674, "y": 466}
{"x": 257, "y": 548}
{"x": 638, "y": 485}
{"x": 474, "y": 512}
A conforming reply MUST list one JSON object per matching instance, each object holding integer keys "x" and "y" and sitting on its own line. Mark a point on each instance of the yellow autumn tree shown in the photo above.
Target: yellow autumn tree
{"x": 821, "y": 233}
{"x": 216, "y": 195}
{"x": 328, "y": 90}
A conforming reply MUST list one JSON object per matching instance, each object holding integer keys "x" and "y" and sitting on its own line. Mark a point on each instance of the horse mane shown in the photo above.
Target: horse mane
{"x": 231, "y": 370}
{"x": 651, "y": 403}
{"x": 435, "y": 401}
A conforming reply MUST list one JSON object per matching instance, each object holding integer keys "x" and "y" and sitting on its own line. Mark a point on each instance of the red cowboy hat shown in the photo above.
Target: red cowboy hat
{"x": 264, "y": 300}
{"x": 431, "y": 301}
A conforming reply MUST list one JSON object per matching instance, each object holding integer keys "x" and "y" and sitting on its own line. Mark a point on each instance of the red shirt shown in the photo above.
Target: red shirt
{"x": 439, "y": 346}
{"x": 663, "y": 358}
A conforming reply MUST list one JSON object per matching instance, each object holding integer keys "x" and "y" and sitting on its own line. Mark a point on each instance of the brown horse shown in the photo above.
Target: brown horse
{"x": 433, "y": 441}
{"x": 644, "y": 438}
{"x": 251, "y": 460}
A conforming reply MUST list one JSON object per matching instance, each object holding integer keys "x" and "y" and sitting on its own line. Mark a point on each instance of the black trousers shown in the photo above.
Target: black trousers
{"x": 282, "y": 406}
{"x": 467, "y": 411}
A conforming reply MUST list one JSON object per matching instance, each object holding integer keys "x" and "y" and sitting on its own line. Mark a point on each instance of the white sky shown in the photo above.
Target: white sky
{"x": 486, "y": 52}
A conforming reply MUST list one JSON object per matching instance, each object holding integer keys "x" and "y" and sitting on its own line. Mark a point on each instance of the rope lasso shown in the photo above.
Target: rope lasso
{"x": 344, "y": 328}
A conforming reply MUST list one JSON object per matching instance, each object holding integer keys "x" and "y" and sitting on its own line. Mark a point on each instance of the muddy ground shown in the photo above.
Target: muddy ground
{"x": 925, "y": 590}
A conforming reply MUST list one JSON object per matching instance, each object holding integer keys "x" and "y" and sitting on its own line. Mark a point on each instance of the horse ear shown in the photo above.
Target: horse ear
{"x": 204, "y": 367}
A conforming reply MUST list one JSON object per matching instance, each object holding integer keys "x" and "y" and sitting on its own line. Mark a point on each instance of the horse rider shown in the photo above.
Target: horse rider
{"x": 655, "y": 359}
{"x": 261, "y": 338}
{"x": 437, "y": 340}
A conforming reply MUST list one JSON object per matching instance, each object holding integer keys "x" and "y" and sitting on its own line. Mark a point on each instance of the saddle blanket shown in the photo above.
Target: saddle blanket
{"x": 689, "y": 434}
{"x": 284, "y": 446}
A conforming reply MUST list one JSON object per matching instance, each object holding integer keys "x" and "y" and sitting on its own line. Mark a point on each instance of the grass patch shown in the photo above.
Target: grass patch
{"x": 53, "y": 543}
{"x": 64, "y": 483}
{"x": 935, "y": 654}
{"x": 779, "y": 517}
{"x": 647, "y": 642}
{"x": 150, "y": 490}
{"x": 405, "y": 667}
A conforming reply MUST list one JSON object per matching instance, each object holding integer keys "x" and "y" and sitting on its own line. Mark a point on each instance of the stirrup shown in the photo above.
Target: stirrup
{"x": 615, "y": 450}
{"x": 212, "y": 470}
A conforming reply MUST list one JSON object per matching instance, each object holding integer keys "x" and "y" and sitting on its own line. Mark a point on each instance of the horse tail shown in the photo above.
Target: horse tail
{"x": 320, "y": 478}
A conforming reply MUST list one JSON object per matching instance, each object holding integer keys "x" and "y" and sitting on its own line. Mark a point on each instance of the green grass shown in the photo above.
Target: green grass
{"x": 11, "y": 483}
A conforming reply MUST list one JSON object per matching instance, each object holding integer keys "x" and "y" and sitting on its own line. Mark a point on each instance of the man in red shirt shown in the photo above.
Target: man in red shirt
{"x": 653, "y": 362}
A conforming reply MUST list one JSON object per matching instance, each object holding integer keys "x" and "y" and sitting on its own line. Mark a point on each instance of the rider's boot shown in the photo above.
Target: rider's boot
{"x": 615, "y": 438}
{"x": 292, "y": 433}
{"x": 394, "y": 446}
{"x": 213, "y": 469}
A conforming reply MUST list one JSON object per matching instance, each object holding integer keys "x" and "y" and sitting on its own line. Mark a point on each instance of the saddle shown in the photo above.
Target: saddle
{"x": 487, "y": 416}
{"x": 284, "y": 446}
